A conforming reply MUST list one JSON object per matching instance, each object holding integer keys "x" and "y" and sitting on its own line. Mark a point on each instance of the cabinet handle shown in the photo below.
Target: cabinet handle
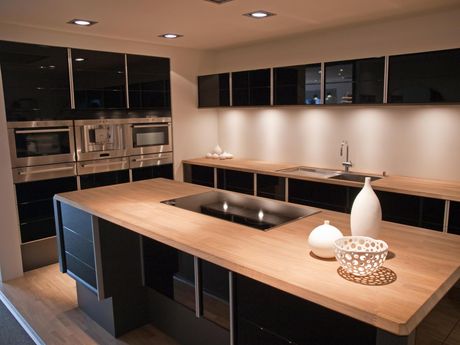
{"x": 22, "y": 172}
{"x": 166, "y": 124}
{"x": 150, "y": 159}
{"x": 91, "y": 165}
{"x": 33, "y": 131}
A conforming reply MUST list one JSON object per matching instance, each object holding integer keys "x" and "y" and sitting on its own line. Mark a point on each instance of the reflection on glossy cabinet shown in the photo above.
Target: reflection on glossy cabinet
{"x": 297, "y": 85}
{"x": 35, "y": 81}
{"x": 198, "y": 174}
{"x": 99, "y": 79}
{"x": 235, "y": 181}
{"x": 354, "y": 81}
{"x": 148, "y": 82}
{"x": 251, "y": 87}
{"x": 272, "y": 187}
{"x": 104, "y": 179}
{"x": 154, "y": 171}
{"x": 454, "y": 218}
{"x": 214, "y": 90}
{"x": 432, "y": 77}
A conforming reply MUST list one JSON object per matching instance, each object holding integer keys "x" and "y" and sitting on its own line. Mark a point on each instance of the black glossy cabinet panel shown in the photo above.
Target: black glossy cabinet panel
{"x": 215, "y": 282}
{"x": 454, "y": 218}
{"x": 412, "y": 210}
{"x": 104, "y": 179}
{"x": 272, "y": 187}
{"x": 354, "y": 81}
{"x": 35, "y": 206}
{"x": 235, "y": 181}
{"x": 432, "y": 77}
{"x": 145, "y": 173}
{"x": 297, "y": 85}
{"x": 35, "y": 81}
{"x": 149, "y": 82}
{"x": 169, "y": 272}
{"x": 251, "y": 87}
{"x": 99, "y": 79}
{"x": 214, "y": 90}
{"x": 198, "y": 174}
{"x": 322, "y": 195}
{"x": 269, "y": 316}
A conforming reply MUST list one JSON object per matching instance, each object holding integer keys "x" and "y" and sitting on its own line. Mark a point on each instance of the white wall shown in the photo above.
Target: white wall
{"x": 195, "y": 131}
{"x": 418, "y": 141}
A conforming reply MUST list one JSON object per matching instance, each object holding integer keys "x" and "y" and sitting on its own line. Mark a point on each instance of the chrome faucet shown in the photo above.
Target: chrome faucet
{"x": 347, "y": 163}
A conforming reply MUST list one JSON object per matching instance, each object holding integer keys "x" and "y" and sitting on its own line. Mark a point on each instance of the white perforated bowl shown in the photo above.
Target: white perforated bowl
{"x": 360, "y": 255}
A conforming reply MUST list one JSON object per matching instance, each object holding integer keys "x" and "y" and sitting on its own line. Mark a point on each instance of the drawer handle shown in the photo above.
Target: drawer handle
{"x": 90, "y": 165}
{"x": 22, "y": 172}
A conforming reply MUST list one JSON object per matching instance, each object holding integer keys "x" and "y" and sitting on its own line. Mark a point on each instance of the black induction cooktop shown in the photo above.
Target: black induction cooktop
{"x": 259, "y": 213}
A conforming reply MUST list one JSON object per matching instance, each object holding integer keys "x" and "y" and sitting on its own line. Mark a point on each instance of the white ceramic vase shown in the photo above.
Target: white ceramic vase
{"x": 366, "y": 213}
{"x": 322, "y": 238}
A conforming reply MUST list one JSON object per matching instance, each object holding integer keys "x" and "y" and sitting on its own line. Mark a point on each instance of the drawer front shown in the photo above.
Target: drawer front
{"x": 37, "y": 229}
{"x": 77, "y": 221}
{"x": 79, "y": 247}
{"x": 81, "y": 270}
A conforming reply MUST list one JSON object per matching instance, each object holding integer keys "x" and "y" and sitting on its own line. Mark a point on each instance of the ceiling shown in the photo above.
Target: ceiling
{"x": 206, "y": 25}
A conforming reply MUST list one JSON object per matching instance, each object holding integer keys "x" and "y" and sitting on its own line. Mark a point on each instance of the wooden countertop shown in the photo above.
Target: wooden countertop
{"x": 447, "y": 190}
{"x": 425, "y": 263}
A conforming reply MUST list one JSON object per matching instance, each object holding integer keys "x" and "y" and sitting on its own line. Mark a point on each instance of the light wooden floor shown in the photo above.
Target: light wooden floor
{"x": 47, "y": 300}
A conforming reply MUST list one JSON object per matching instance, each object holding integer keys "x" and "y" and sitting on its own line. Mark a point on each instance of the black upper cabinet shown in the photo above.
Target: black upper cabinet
{"x": 297, "y": 85}
{"x": 431, "y": 77}
{"x": 251, "y": 87}
{"x": 149, "y": 82}
{"x": 99, "y": 79}
{"x": 354, "y": 81}
{"x": 214, "y": 90}
{"x": 35, "y": 81}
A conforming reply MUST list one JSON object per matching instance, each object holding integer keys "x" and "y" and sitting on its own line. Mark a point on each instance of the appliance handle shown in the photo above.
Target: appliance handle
{"x": 150, "y": 159}
{"x": 21, "y": 172}
{"x": 152, "y": 126}
{"x": 91, "y": 165}
{"x": 33, "y": 131}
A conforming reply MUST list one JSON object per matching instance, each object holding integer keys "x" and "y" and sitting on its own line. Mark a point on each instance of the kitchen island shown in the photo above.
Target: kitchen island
{"x": 118, "y": 221}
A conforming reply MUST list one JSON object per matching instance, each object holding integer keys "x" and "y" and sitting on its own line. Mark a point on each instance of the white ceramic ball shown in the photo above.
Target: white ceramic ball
{"x": 322, "y": 238}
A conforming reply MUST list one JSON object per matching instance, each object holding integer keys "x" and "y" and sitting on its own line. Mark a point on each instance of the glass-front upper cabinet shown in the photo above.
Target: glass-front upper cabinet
{"x": 297, "y": 85}
{"x": 214, "y": 90}
{"x": 35, "y": 81}
{"x": 148, "y": 82}
{"x": 251, "y": 87}
{"x": 432, "y": 77}
{"x": 354, "y": 81}
{"x": 99, "y": 79}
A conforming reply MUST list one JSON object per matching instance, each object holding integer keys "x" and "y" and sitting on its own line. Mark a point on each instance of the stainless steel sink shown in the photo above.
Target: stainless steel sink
{"x": 327, "y": 173}
{"x": 307, "y": 171}
{"x": 353, "y": 177}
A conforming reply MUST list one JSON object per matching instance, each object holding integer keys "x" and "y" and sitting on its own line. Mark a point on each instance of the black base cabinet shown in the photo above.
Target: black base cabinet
{"x": 197, "y": 174}
{"x": 269, "y": 316}
{"x": 145, "y": 173}
{"x": 104, "y": 179}
{"x": 272, "y": 187}
{"x": 454, "y": 218}
{"x": 235, "y": 181}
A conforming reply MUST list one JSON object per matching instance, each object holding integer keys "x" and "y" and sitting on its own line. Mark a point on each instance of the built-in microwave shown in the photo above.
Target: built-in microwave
{"x": 41, "y": 142}
{"x": 149, "y": 135}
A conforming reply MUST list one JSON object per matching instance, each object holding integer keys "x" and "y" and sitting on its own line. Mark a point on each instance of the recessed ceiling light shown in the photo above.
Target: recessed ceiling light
{"x": 82, "y": 22}
{"x": 259, "y": 14}
{"x": 170, "y": 36}
{"x": 79, "y": 59}
{"x": 219, "y": 2}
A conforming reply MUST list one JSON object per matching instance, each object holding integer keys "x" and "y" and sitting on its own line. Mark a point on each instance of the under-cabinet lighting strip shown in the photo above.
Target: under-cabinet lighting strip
{"x": 231, "y": 302}
{"x": 126, "y": 81}
{"x": 385, "y": 79}
{"x": 72, "y": 92}
{"x": 445, "y": 225}
{"x": 323, "y": 86}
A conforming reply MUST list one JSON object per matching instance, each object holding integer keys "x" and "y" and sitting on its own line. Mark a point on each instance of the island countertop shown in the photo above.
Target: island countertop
{"x": 423, "y": 264}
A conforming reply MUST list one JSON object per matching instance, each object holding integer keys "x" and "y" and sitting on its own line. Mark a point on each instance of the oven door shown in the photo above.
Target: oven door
{"x": 145, "y": 138}
{"x": 41, "y": 142}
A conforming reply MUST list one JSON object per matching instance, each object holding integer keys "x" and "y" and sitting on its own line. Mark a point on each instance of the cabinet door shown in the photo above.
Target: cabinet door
{"x": 198, "y": 174}
{"x": 251, "y": 87}
{"x": 432, "y": 77}
{"x": 454, "y": 218}
{"x": 214, "y": 90}
{"x": 354, "y": 81}
{"x": 104, "y": 179}
{"x": 145, "y": 173}
{"x": 272, "y": 187}
{"x": 236, "y": 181}
{"x": 169, "y": 272}
{"x": 322, "y": 195}
{"x": 148, "y": 82}
{"x": 99, "y": 79}
{"x": 35, "y": 81}
{"x": 297, "y": 85}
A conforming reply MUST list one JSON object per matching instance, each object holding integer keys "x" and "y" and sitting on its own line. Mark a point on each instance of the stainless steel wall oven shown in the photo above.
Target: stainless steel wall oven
{"x": 149, "y": 135}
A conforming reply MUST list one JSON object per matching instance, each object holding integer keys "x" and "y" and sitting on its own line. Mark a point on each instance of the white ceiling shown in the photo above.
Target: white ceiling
{"x": 206, "y": 25}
